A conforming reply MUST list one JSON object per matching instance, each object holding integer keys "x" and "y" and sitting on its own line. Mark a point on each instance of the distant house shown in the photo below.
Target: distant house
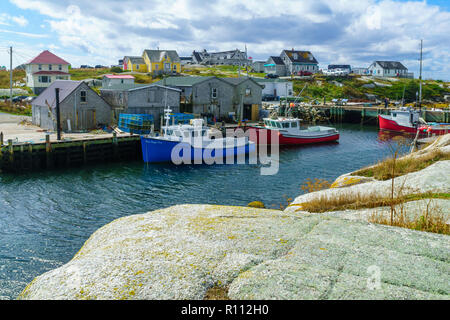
{"x": 44, "y": 70}
{"x": 135, "y": 64}
{"x": 345, "y": 67}
{"x": 276, "y": 66}
{"x": 258, "y": 66}
{"x": 220, "y": 97}
{"x": 141, "y": 99}
{"x": 360, "y": 70}
{"x": 81, "y": 108}
{"x": 388, "y": 69}
{"x": 162, "y": 61}
{"x": 185, "y": 60}
{"x": 276, "y": 87}
{"x": 116, "y": 79}
{"x": 296, "y": 61}
{"x": 232, "y": 57}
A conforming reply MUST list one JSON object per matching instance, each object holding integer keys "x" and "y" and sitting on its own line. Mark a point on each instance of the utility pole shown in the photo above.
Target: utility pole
{"x": 10, "y": 75}
{"x": 58, "y": 115}
{"x": 420, "y": 76}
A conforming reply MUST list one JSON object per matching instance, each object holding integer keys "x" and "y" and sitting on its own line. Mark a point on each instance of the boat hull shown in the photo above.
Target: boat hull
{"x": 391, "y": 125}
{"x": 158, "y": 150}
{"x": 270, "y": 136}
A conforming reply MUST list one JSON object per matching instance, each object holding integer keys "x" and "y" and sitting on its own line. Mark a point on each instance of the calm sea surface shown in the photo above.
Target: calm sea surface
{"x": 46, "y": 217}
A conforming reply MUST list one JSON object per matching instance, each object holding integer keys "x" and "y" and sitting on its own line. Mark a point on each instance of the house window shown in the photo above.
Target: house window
{"x": 248, "y": 91}
{"x": 59, "y": 67}
{"x": 40, "y": 67}
{"x": 214, "y": 93}
{"x": 137, "y": 67}
{"x": 44, "y": 79}
{"x": 83, "y": 96}
{"x": 156, "y": 67}
{"x": 49, "y": 67}
{"x": 174, "y": 68}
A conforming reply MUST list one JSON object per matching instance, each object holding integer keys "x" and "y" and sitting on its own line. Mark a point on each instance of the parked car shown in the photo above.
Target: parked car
{"x": 304, "y": 73}
{"x": 268, "y": 97}
{"x": 271, "y": 76}
{"x": 18, "y": 98}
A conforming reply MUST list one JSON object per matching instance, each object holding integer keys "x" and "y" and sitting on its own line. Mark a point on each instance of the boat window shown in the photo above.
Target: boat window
{"x": 394, "y": 114}
{"x": 266, "y": 123}
{"x": 293, "y": 124}
{"x": 178, "y": 133}
{"x": 186, "y": 134}
{"x": 203, "y": 133}
{"x": 285, "y": 124}
{"x": 272, "y": 124}
{"x": 169, "y": 132}
{"x": 194, "y": 133}
{"x": 278, "y": 124}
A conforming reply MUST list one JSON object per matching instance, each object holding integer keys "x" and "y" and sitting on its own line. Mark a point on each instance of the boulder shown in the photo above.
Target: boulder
{"x": 430, "y": 179}
{"x": 182, "y": 251}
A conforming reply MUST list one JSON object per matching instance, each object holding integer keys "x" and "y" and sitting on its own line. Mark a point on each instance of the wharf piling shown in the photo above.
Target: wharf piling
{"x": 369, "y": 114}
{"x": 25, "y": 157}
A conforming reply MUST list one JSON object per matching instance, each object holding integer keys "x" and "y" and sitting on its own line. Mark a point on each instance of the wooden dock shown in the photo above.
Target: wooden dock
{"x": 365, "y": 113}
{"x": 25, "y": 157}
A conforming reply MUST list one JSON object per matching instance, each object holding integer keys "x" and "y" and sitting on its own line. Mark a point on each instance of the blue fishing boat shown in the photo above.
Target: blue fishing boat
{"x": 191, "y": 144}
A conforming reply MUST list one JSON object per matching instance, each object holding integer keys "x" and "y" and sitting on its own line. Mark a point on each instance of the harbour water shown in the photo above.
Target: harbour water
{"x": 46, "y": 217}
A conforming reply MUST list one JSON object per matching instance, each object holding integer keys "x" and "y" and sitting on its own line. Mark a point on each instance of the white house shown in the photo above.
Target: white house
{"x": 388, "y": 69}
{"x": 276, "y": 87}
{"x": 45, "y": 69}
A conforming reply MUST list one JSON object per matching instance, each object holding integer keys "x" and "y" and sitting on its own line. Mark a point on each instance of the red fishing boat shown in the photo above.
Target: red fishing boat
{"x": 408, "y": 120}
{"x": 289, "y": 132}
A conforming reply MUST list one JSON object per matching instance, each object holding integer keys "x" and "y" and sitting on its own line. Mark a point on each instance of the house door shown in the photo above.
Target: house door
{"x": 89, "y": 119}
{"x": 247, "y": 114}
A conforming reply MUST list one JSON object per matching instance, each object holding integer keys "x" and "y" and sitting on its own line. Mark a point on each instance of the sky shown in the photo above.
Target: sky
{"x": 355, "y": 32}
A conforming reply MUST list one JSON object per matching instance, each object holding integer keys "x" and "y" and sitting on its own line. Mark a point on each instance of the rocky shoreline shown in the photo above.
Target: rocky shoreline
{"x": 254, "y": 253}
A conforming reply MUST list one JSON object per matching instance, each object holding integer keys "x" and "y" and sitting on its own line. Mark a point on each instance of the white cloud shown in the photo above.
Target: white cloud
{"x": 21, "y": 21}
{"x": 352, "y": 31}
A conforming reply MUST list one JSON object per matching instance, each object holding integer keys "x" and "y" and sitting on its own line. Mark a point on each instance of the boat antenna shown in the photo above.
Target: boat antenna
{"x": 167, "y": 112}
{"x": 420, "y": 76}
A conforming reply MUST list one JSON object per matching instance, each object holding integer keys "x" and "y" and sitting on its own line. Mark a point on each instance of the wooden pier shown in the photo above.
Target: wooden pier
{"x": 25, "y": 157}
{"x": 369, "y": 114}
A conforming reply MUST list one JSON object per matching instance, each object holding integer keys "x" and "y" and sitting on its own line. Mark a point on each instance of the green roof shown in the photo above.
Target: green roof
{"x": 182, "y": 81}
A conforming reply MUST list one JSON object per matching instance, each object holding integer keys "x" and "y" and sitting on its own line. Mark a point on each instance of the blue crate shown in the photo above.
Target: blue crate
{"x": 135, "y": 123}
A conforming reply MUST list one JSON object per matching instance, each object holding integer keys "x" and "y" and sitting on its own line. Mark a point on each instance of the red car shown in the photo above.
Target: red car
{"x": 304, "y": 73}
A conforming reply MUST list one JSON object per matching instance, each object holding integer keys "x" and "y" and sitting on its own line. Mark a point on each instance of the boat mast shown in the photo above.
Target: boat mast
{"x": 167, "y": 112}
{"x": 420, "y": 76}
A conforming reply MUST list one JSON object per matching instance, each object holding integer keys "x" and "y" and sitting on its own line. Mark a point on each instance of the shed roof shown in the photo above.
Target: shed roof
{"x": 66, "y": 87}
{"x": 391, "y": 65}
{"x": 52, "y": 72}
{"x": 46, "y": 57}
{"x": 118, "y": 76}
{"x": 135, "y": 59}
{"x": 297, "y": 56}
{"x": 277, "y": 60}
{"x": 135, "y": 86}
{"x": 182, "y": 81}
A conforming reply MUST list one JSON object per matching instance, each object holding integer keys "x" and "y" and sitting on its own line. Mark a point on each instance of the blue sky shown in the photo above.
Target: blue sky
{"x": 354, "y": 32}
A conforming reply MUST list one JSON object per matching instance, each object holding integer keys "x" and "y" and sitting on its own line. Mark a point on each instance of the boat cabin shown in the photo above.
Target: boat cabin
{"x": 406, "y": 117}
{"x": 186, "y": 131}
{"x": 282, "y": 123}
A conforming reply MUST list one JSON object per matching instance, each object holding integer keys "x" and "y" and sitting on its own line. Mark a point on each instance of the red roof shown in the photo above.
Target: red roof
{"x": 118, "y": 76}
{"x": 46, "y": 57}
{"x": 51, "y": 72}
